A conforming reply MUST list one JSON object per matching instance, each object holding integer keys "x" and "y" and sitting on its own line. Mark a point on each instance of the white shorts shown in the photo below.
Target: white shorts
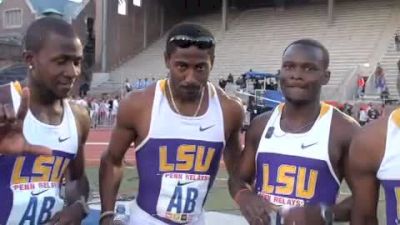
{"x": 140, "y": 217}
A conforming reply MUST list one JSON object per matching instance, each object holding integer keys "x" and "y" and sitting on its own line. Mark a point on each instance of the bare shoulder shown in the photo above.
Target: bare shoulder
{"x": 82, "y": 119}
{"x": 139, "y": 98}
{"x": 135, "y": 106}
{"x": 343, "y": 125}
{"x": 81, "y": 113}
{"x": 258, "y": 124}
{"x": 231, "y": 105}
{"x": 368, "y": 145}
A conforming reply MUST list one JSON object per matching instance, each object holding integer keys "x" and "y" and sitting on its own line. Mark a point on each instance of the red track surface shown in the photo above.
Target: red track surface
{"x": 98, "y": 142}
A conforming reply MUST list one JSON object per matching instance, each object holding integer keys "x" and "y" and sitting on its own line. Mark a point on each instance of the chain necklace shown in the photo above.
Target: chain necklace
{"x": 174, "y": 104}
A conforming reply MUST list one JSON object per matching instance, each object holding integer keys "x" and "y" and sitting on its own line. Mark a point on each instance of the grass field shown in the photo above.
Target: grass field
{"x": 218, "y": 199}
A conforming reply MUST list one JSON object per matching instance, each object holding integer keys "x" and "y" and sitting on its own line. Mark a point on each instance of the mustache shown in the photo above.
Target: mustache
{"x": 191, "y": 87}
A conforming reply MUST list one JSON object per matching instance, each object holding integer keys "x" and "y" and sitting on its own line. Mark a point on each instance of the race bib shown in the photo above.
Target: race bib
{"x": 182, "y": 196}
{"x": 34, "y": 203}
{"x": 281, "y": 203}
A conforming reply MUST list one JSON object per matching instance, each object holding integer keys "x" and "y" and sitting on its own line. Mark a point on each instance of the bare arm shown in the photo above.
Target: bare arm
{"x": 349, "y": 128}
{"x": 244, "y": 175}
{"x": 253, "y": 207}
{"x": 77, "y": 182}
{"x": 366, "y": 153}
{"x": 234, "y": 116}
{"x": 111, "y": 166}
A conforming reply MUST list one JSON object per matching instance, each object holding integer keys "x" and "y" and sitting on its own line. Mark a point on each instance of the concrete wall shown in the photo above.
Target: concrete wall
{"x": 79, "y": 23}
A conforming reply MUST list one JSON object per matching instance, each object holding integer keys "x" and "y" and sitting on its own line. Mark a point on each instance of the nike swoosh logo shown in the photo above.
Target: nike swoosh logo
{"x": 184, "y": 183}
{"x": 38, "y": 193}
{"x": 62, "y": 139}
{"x": 206, "y": 128}
{"x": 303, "y": 146}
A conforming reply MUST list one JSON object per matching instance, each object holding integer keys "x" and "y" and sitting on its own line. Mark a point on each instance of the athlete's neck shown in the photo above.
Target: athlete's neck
{"x": 187, "y": 105}
{"x": 297, "y": 115}
{"x": 40, "y": 95}
{"x": 46, "y": 107}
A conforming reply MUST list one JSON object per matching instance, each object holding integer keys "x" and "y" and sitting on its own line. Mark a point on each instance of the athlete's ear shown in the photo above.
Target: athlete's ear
{"x": 212, "y": 61}
{"x": 28, "y": 58}
{"x": 166, "y": 59}
{"x": 326, "y": 77}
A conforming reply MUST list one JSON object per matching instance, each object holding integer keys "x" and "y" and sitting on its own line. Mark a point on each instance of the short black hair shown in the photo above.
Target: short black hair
{"x": 190, "y": 30}
{"x": 315, "y": 44}
{"x": 40, "y": 29}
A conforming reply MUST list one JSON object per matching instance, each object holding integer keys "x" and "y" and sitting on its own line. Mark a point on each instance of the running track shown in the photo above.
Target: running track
{"x": 98, "y": 142}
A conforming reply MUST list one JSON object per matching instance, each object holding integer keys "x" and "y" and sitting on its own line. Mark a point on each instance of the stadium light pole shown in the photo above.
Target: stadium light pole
{"x": 145, "y": 24}
{"x": 331, "y": 4}
{"x": 224, "y": 15}
{"x": 104, "y": 38}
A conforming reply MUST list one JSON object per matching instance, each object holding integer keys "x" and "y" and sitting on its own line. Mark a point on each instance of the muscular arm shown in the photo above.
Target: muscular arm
{"x": 77, "y": 184}
{"x": 366, "y": 153}
{"x": 243, "y": 177}
{"x": 111, "y": 166}
{"x": 344, "y": 128}
{"x": 234, "y": 115}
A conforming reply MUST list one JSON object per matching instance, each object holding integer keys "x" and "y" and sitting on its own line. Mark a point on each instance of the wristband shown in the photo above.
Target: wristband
{"x": 106, "y": 214}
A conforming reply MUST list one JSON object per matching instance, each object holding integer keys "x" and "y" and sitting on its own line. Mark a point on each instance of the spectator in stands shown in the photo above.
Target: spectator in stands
{"x": 153, "y": 80}
{"x": 103, "y": 112}
{"x": 382, "y": 110}
{"x": 94, "y": 112}
{"x": 278, "y": 72}
{"x": 128, "y": 86}
{"x": 114, "y": 110}
{"x": 146, "y": 82}
{"x": 83, "y": 89}
{"x": 252, "y": 107}
{"x": 241, "y": 82}
{"x": 222, "y": 83}
{"x": 110, "y": 103}
{"x": 363, "y": 116}
{"x": 348, "y": 109}
{"x": 230, "y": 78}
{"x": 397, "y": 41}
{"x": 380, "y": 81}
{"x": 360, "y": 86}
{"x": 257, "y": 85}
{"x": 373, "y": 114}
{"x": 398, "y": 66}
{"x": 138, "y": 84}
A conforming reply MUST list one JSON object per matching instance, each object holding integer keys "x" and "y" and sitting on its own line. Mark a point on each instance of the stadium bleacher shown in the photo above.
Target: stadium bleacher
{"x": 257, "y": 37}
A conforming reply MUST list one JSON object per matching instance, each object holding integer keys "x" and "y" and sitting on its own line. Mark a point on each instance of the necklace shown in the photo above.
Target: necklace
{"x": 174, "y": 104}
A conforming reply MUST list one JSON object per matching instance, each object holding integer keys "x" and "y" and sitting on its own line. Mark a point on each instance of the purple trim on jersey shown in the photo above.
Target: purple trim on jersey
{"x": 6, "y": 170}
{"x": 6, "y": 167}
{"x": 326, "y": 188}
{"x": 392, "y": 218}
{"x": 147, "y": 161}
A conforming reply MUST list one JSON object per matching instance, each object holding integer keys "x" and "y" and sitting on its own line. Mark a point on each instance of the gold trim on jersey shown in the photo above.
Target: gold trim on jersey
{"x": 396, "y": 117}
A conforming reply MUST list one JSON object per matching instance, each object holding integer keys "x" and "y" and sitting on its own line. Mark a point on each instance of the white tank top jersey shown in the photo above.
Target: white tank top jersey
{"x": 178, "y": 162}
{"x": 389, "y": 170}
{"x": 30, "y": 184}
{"x": 294, "y": 169}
